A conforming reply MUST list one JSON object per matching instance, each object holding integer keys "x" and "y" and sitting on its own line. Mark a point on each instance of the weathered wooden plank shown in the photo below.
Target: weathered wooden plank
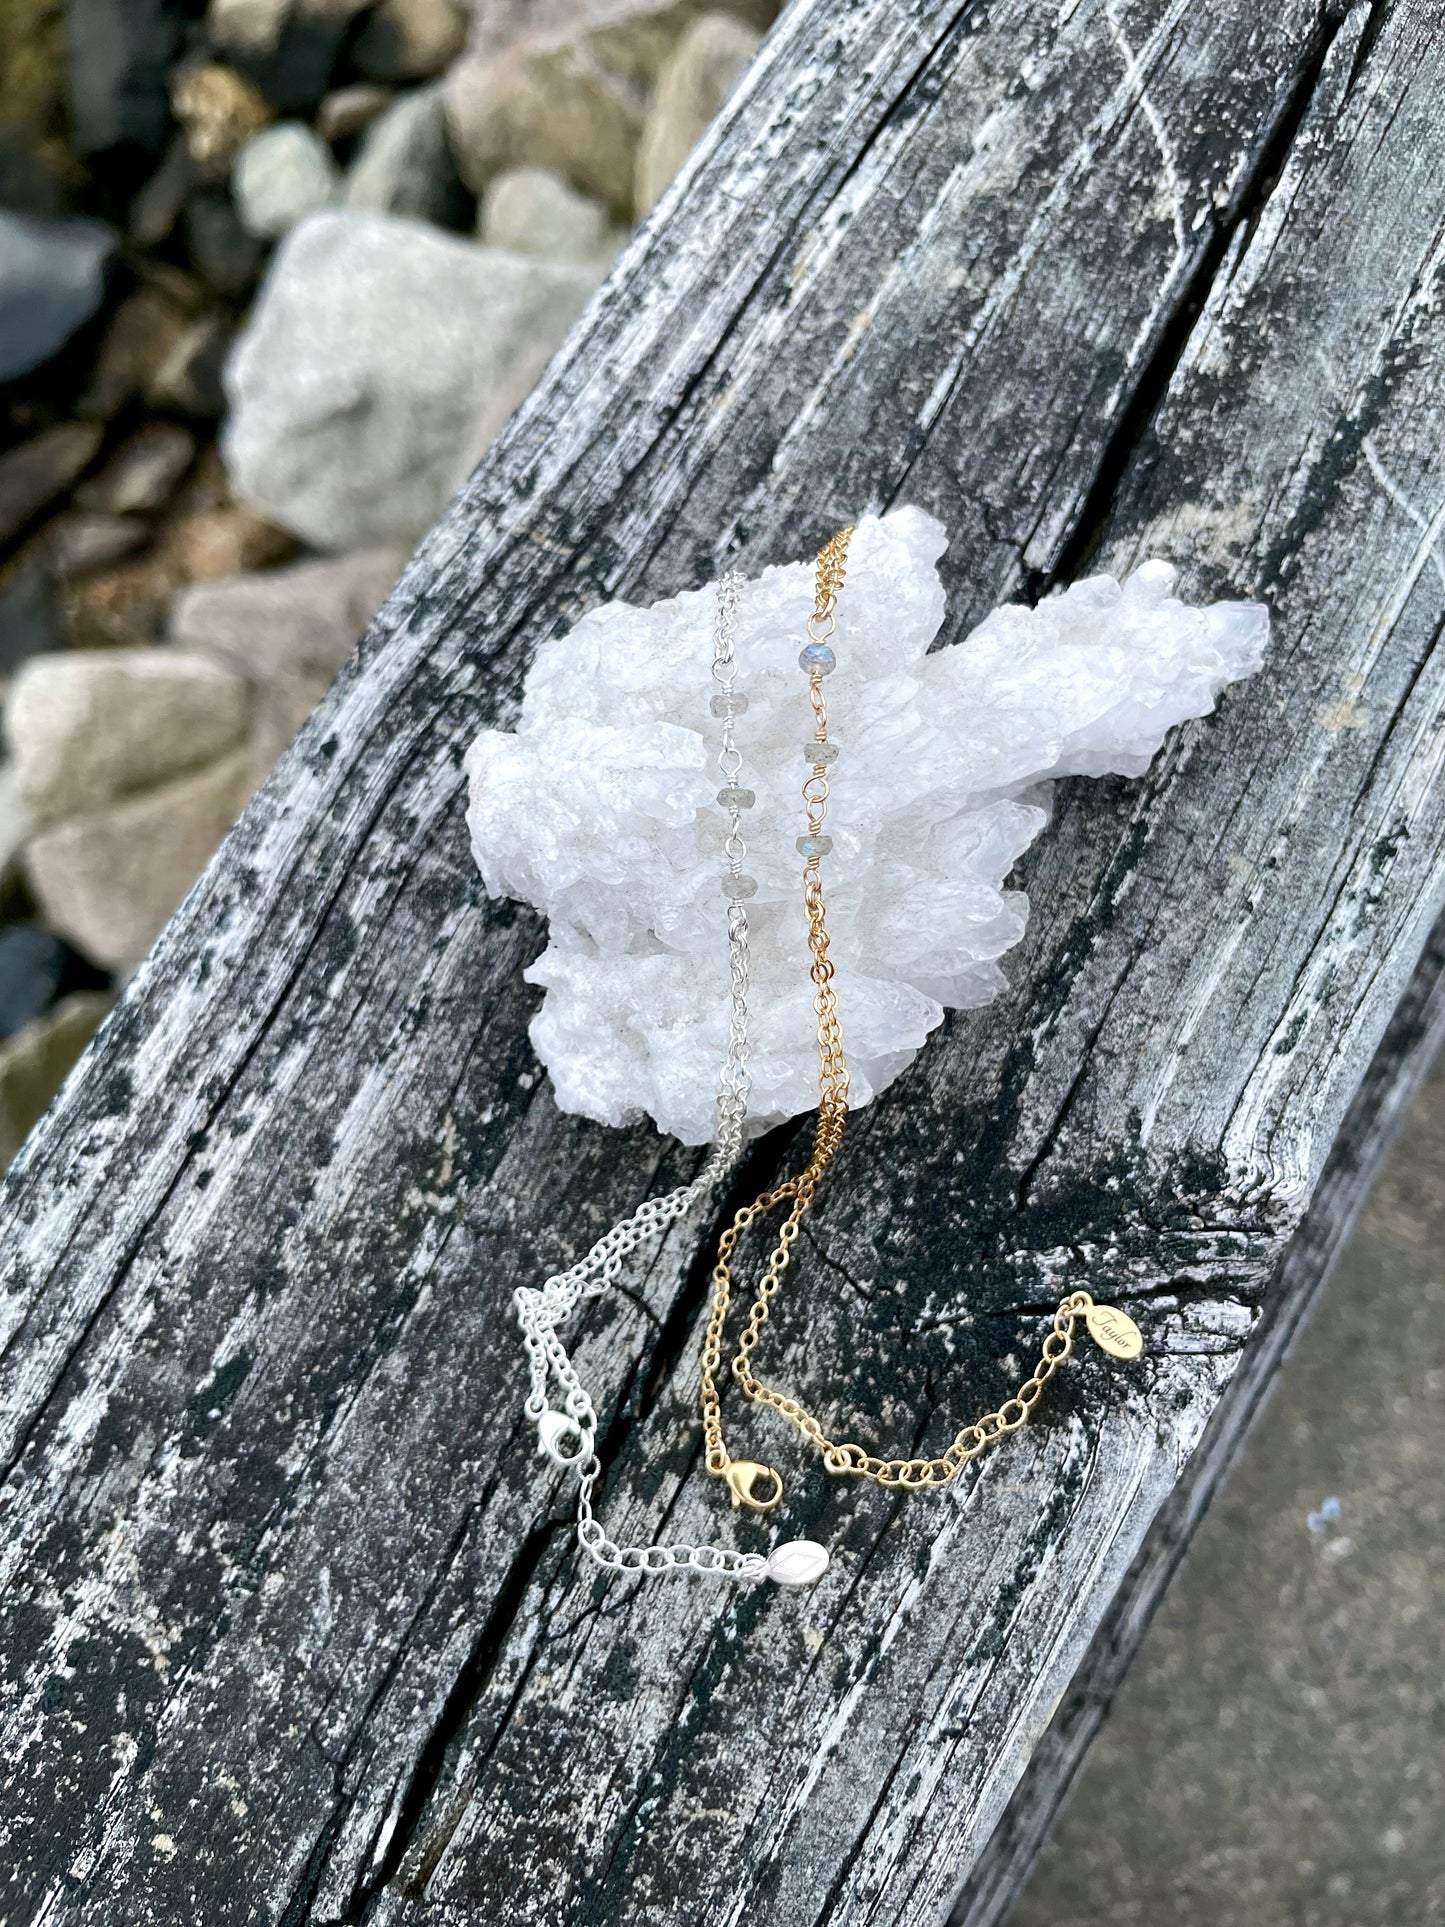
{"x": 1415, "y": 1035}
{"x": 293, "y": 1634}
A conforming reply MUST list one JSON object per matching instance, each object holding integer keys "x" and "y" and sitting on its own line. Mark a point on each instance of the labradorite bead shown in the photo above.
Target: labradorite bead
{"x": 724, "y": 704}
{"x": 737, "y": 889}
{"x": 818, "y": 659}
{"x": 733, "y": 796}
{"x": 811, "y": 846}
{"x": 824, "y": 753}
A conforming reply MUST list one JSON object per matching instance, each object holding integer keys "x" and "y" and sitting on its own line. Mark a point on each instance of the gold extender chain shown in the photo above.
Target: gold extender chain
{"x": 744, "y": 1475}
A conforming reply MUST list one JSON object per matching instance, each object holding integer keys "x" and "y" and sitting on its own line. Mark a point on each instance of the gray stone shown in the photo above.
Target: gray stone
{"x": 142, "y": 332}
{"x": 573, "y": 101}
{"x": 190, "y": 376}
{"x": 84, "y": 542}
{"x": 142, "y": 472}
{"x": 52, "y": 278}
{"x": 287, "y": 631}
{"x": 120, "y": 55}
{"x": 405, "y": 165}
{"x": 247, "y": 30}
{"x": 156, "y": 209}
{"x": 533, "y": 211}
{"x": 16, "y": 830}
{"x": 32, "y": 475}
{"x": 31, "y": 618}
{"x": 87, "y": 727}
{"x": 410, "y": 39}
{"x": 350, "y": 110}
{"x": 108, "y": 880}
{"x": 282, "y": 174}
{"x": 36, "y": 969}
{"x": 380, "y": 359}
{"x": 225, "y": 255}
{"x": 298, "y": 74}
{"x": 36, "y": 1061}
{"x": 702, "y": 71}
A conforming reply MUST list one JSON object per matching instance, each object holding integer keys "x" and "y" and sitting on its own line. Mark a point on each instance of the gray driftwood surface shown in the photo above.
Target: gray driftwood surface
{"x": 293, "y": 1628}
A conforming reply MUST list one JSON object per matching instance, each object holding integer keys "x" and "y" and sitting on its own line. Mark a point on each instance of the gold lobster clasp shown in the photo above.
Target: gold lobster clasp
{"x": 742, "y": 1476}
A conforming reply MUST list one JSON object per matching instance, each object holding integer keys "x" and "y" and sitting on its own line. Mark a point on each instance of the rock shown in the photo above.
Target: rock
{"x": 405, "y": 165}
{"x": 122, "y": 607}
{"x": 156, "y": 209}
{"x": 31, "y": 618}
{"x": 246, "y": 30}
{"x": 223, "y": 541}
{"x": 570, "y": 96}
{"x": 36, "y": 1061}
{"x": 85, "y": 542}
{"x": 36, "y": 968}
{"x": 545, "y": 109}
{"x": 32, "y": 176}
{"x": 16, "y": 830}
{"x": 52, "y": 278}
{"x": 188, "y": 294}
{"x": 120, "y": 54}
{"x": 350, "y": 110}
{"x": 189, "y": 379}
{"x": 32, "y": 100}
{"x": 298, "y": 74}
{"x": 702, "y": 71}
{"x": 282, "y": 175}
{"x": 203, "y": 534}
{"x": 88, "y": 727}
{"x": 219, "y": 111}
{"x": 287, "y": 632}
{"x": 31, "y": 964}
{"x": 116, "y": 607}
{"x": 145, "y": 328}
{"x": 35, "y": 473}
{"x": 357, "y": 407}
{"x": 108, "y": 880}
{"x": 533, "y": 211}
{"x": 410, "y": 39}
{"x": 142, "y": 473}
{"x": 497, "y": 24}
{"x": 229, "y": 259}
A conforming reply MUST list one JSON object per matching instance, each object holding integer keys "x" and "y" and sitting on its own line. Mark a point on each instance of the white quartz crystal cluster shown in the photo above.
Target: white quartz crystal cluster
{"x": 600, "y": 810}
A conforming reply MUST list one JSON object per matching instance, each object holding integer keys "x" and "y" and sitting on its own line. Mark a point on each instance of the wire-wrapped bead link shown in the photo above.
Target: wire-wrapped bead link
{"x": 742, "y": 1475}
{"x": 568, "y": 1436}
{"x": 848, "y": 1459}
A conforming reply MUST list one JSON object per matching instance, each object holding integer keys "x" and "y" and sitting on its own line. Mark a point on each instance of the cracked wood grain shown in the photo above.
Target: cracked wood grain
{"x": 293, "y": 1630}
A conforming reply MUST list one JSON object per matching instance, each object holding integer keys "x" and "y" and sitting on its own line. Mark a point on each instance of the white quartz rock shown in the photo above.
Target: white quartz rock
{"x": 600, "y": 810}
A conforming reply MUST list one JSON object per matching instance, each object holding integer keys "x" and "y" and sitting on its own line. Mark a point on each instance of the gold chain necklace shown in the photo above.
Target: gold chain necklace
{"x": 745, "y": 1475}
{"x": 1111, "y": 1329}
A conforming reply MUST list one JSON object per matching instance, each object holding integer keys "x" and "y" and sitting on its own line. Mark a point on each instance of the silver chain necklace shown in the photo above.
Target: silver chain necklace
{"x": 568, "y": 1437}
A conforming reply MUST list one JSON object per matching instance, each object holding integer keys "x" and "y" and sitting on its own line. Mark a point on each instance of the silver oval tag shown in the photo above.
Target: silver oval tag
{"x": 800, "y": 1562}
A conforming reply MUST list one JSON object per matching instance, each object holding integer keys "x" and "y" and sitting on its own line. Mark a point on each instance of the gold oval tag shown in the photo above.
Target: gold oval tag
{"x": 1114, "y": 1331}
